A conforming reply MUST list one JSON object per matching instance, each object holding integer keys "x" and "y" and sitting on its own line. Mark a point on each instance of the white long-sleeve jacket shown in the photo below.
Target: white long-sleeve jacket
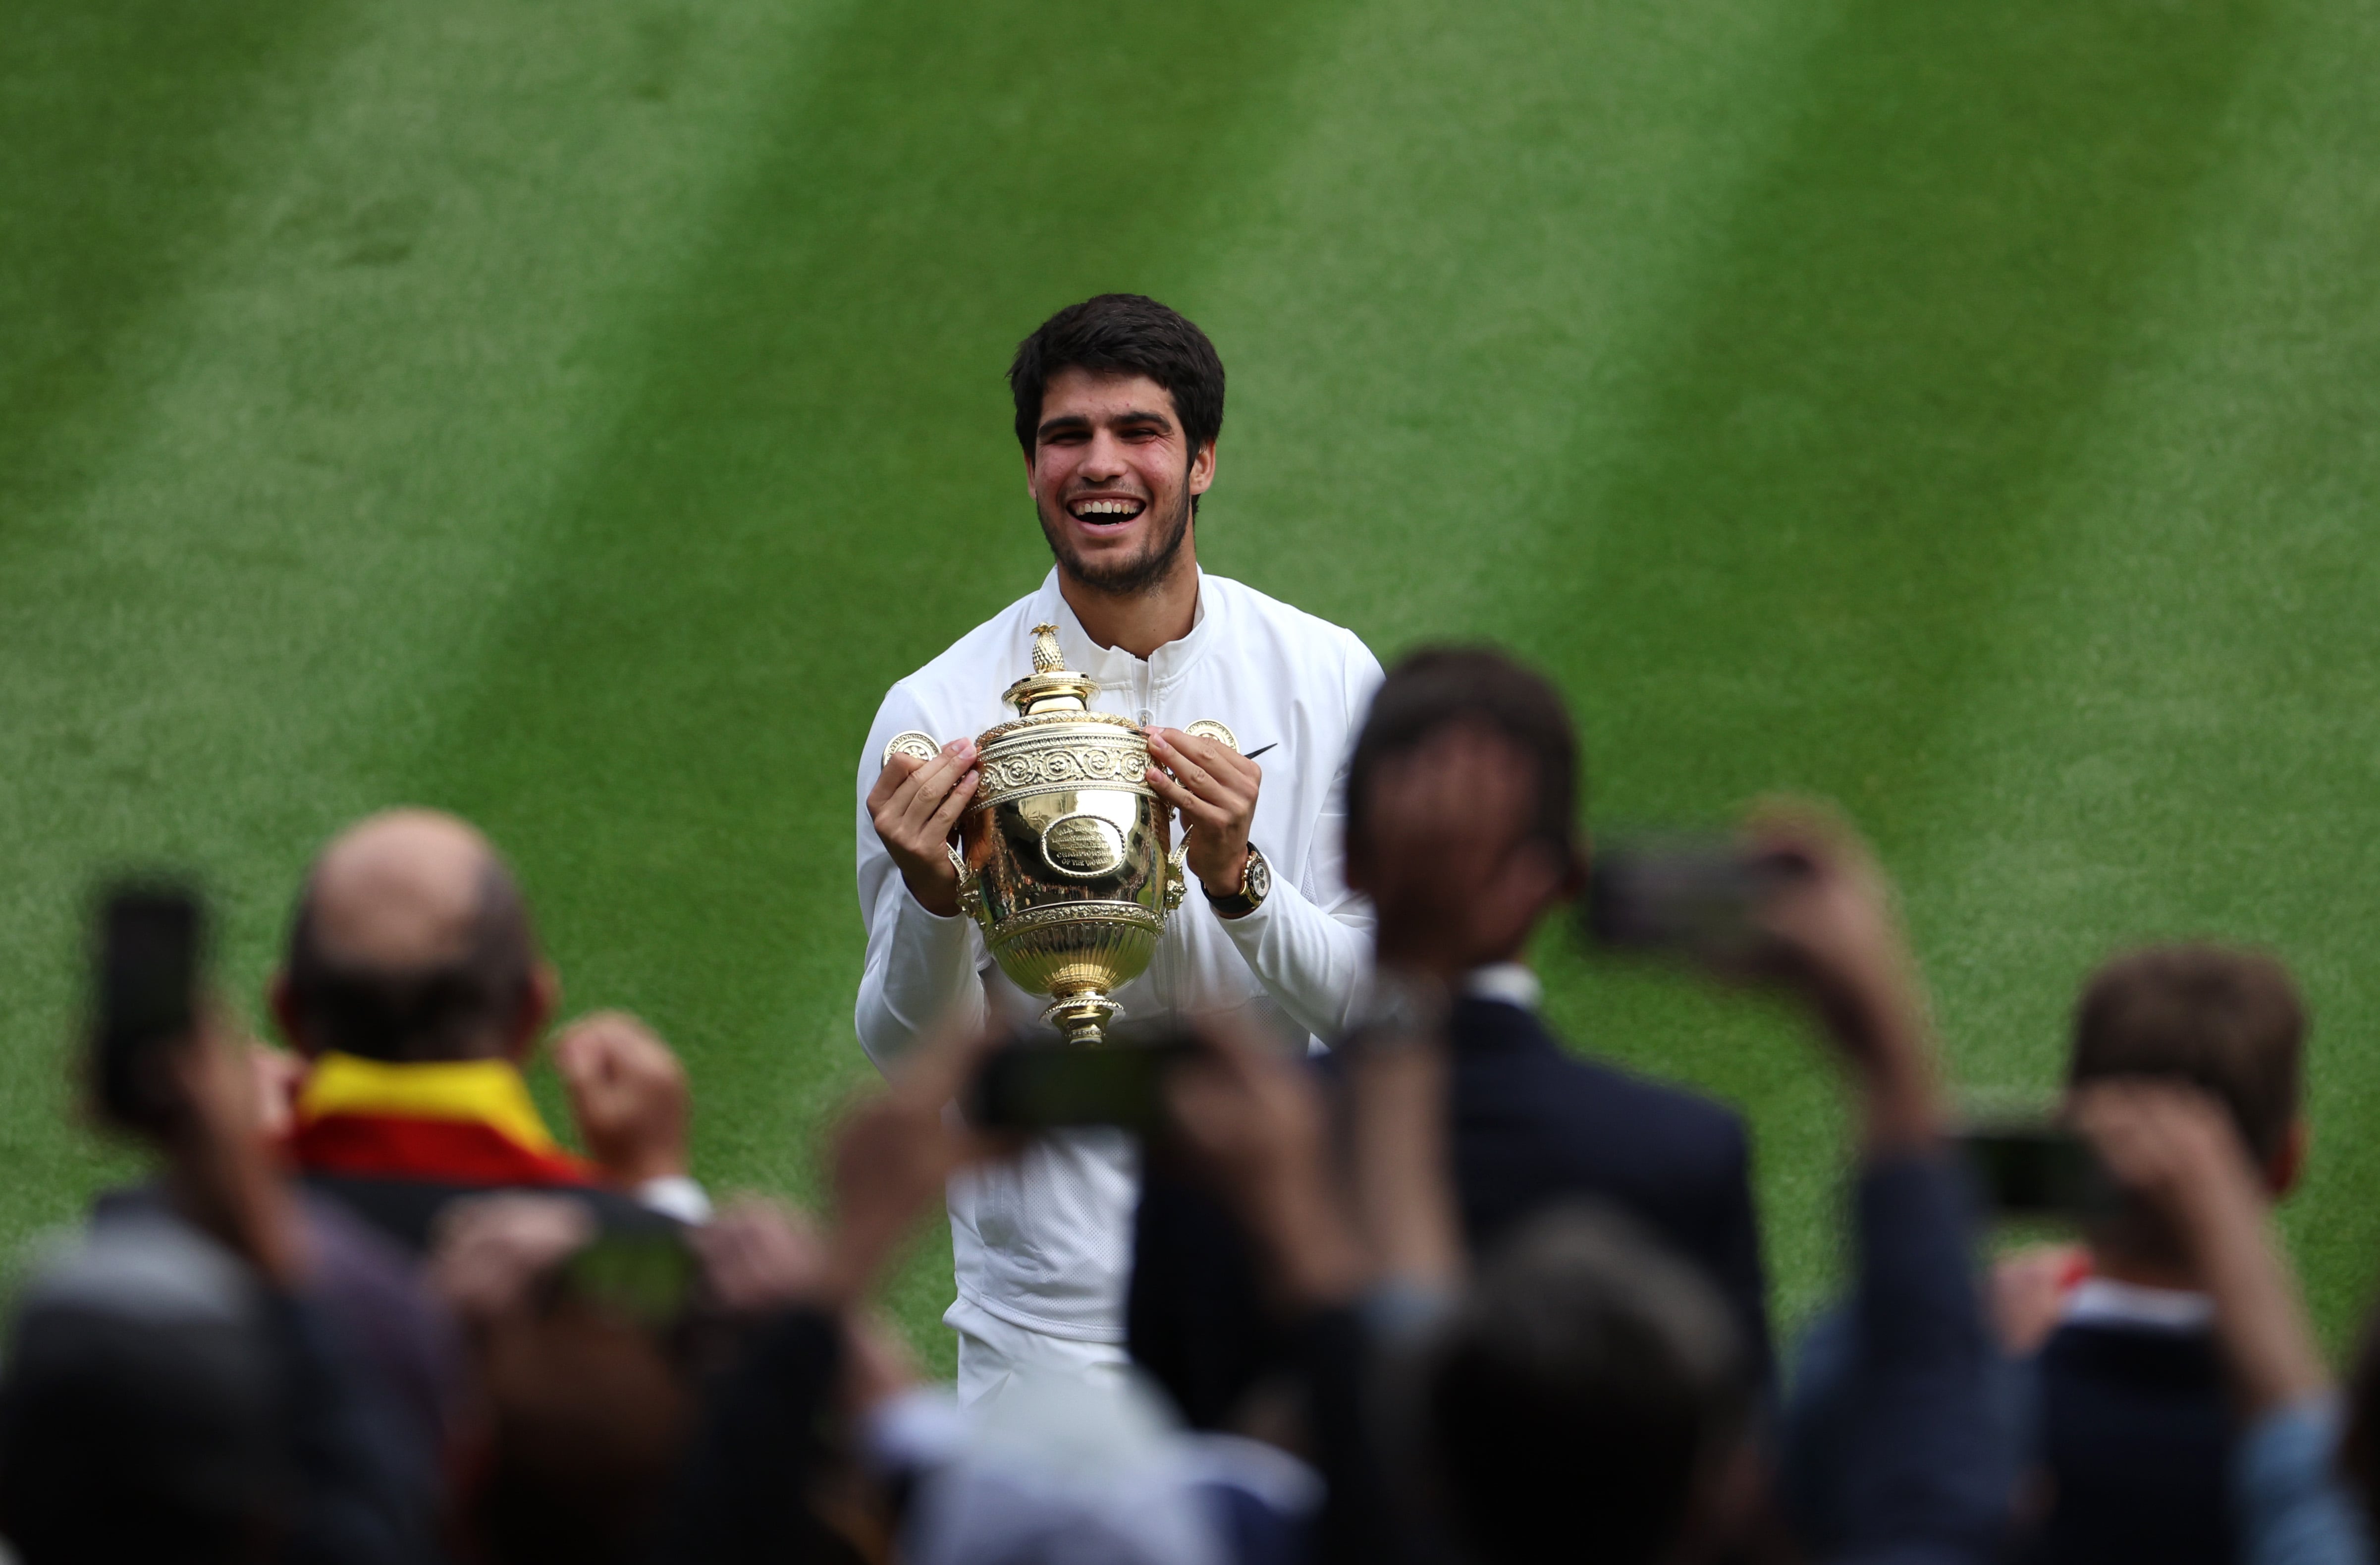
{"x": 1045, "y": 1242}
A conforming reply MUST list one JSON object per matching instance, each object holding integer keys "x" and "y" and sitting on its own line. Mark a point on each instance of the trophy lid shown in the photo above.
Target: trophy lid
{"x": 1052, "y": 687}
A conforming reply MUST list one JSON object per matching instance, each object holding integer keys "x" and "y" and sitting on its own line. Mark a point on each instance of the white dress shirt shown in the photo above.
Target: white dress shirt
{"x": 2099, "y": 1300}
{"x": 1044, "y": 1242}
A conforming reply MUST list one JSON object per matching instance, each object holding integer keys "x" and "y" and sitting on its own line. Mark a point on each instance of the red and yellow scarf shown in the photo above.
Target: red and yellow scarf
{"x": 467, "y": 1122}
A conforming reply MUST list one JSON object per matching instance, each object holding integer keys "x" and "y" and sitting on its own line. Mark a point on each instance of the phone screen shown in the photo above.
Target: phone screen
{"x": 1041, "y": 1086}
{"x": 1694, "y": 895}
{"x": 145, "y": 987}
{"x": 643, "y": 1279}
{"x": 2032, "y": 1170}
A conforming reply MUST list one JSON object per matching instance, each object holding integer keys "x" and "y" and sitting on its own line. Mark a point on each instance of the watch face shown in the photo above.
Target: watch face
{"x": 1259, "y": 880}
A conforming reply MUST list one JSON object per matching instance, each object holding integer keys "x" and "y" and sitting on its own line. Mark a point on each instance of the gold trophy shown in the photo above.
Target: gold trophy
{"x": 1064, "y": 856}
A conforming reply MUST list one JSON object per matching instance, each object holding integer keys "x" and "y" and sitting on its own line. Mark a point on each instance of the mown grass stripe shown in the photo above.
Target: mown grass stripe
{"x": 2174, "y": 737}
{"x": 358, "y": 342}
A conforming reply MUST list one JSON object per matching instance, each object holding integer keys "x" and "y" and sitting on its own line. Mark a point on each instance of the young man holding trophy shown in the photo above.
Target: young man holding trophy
{"x": 1031, "y": 877}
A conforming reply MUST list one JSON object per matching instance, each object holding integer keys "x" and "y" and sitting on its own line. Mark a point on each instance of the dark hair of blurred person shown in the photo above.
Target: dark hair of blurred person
{"x": 2359, "y": 1455}
{"x": 414, "y": 988}
{"x": 1589, "y": 1385}
{"x": 2229, "y": 1023}
{"x": 1437, "y": 686}
{"x": 141, "y": 1416}
{"x": 588, "y": 1417}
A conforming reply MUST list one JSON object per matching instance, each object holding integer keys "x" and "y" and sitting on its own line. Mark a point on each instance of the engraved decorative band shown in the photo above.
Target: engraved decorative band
{"x": 1074, "y": 915}
{"x": 1062, "y": 763}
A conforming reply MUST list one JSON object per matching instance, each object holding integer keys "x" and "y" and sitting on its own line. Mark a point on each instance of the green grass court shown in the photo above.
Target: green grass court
{"x": 577, "y": 416}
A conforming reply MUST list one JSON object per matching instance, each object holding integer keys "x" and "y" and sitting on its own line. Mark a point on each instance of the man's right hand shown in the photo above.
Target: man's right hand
{"x": 2173, "y": 1148}
{"x": 629, "y": 1095}
{"x": 1832, "y": 933}
{"x": 915, "y": 803}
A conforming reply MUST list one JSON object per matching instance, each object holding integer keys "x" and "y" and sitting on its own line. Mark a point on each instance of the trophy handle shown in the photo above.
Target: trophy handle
{"x": 970, "y": 891}
{"x": 910, "y": 743}
{"x": 1177, "y": 875}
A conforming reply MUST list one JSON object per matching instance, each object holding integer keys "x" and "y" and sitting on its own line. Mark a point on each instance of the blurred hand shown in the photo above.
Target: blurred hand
{"x": 1830, "y": 931}
{"x": 490, "y": 1251}
{"x": 2175, "y": 1150}
{"x": 628, "y": 1097}
{"x": 1455, "y": 874}
{"x": 279, "y": 1076}
{"x": 1254, "y": 1123}
{"x": 1213, "y": 787}
{"x": 220, "y": 1168}
{"x": 1399, "y": 1167}
{"x": 2028, "y": 1294}
{"x": 878, "y": 1365}
{"x": 760, "y": 1255}
{"x": 915, "y": 803}
{"x": 895, "y": 1152}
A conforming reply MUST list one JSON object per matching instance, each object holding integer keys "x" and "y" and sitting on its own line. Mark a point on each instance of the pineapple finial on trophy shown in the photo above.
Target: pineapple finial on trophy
{"x": 1052, "y": 687}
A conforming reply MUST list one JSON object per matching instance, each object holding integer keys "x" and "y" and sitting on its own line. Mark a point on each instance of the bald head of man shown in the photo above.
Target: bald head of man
{"x": 411, "y": 944}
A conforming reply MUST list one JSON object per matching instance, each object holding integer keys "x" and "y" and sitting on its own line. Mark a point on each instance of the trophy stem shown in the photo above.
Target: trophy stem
{"x": 1083, "y": 1017}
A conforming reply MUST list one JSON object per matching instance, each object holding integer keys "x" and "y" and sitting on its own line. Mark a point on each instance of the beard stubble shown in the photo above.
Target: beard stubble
{"x": 1128, "y": 578}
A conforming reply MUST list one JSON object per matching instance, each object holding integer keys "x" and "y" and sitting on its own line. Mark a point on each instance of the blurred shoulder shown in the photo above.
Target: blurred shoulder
{"x": 1671, "y": 1122}
{"x": 1679, "y": 1111}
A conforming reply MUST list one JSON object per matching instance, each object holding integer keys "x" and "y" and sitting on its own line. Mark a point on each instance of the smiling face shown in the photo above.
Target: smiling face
{"x": 1112, "y": 477}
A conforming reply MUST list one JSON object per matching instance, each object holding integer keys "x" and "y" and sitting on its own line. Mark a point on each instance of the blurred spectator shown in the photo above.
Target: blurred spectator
{"x": 584, "y": 1390}
{"x": 414, "y": 988}
{"x": 2178, "y": 1154}
{"x": 177, "y": 1389}
{"x": 1475, "y": 866}
{"x": 814, "y": 1442}
{"x": 1479, "y": 853}
{"x": 2135, "y": 1431}
{"x": 2117, "y": 1418}
{"x": 1592, "y": 1393}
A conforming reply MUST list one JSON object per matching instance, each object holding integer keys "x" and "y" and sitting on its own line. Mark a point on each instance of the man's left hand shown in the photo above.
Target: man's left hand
{"x": 1213, "y": 787}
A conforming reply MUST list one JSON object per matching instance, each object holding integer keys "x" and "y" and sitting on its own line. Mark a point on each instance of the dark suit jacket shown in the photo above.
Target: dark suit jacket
{"x": 2134, "y": 1435}
{"x": 1534, "y": 1127}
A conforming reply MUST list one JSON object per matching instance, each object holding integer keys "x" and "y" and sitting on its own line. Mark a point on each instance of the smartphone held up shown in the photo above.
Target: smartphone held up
{"x": 148, "y": 947}
{"x": 1030, "y": 1087}
{"x": 2038, "y": 1171}
{"x": 1683, "y": 895}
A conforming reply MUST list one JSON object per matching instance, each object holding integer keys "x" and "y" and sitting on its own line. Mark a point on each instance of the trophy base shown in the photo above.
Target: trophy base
{"x": 1083, "y": 1018}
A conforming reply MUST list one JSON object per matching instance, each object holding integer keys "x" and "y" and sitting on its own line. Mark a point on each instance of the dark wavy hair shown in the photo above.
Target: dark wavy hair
{"x": 1122, "y": 333}
{"x": 1434, "y": 687}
